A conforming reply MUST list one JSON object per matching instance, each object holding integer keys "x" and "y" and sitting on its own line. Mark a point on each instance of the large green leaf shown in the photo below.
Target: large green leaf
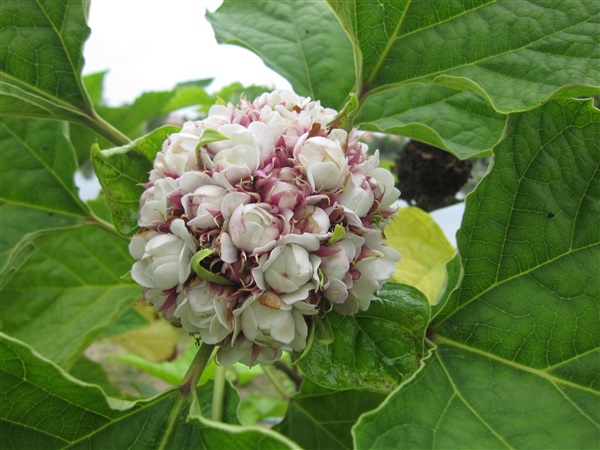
{"x": 44, "y": 407}
{"x": 375, "y": 349}
{"x": 22, "y": 230}
{"x": 320, "y": 418}
{"x": 122, "y": 170}
{"x": 516, "y": 54}
{"x": 42, "y": 57}
{"x": 516, "y": 346}
{"x": 459, "y": 121}
{"x": 37, "y": 164}
{"x": 300, "y": 40}
{"x": 69, "y": 290}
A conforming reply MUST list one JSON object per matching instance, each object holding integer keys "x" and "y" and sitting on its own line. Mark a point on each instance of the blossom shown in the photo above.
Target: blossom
{"x": 163, "y": 259}
{"x": 154, "y": 203}
{"x": 289, "y": 271}
{"x": 202, "y": 308}
{"x": 258, "y": 218}
{"x": 324, "y": 163}
{"x": 253, "y": 228}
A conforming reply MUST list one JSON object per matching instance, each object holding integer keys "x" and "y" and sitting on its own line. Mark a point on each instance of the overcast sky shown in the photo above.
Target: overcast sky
{"x": 154, "y": 44}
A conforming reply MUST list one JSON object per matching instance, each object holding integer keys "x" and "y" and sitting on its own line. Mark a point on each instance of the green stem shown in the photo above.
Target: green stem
{"x": 276, "y": 384}
{"x": 106, "y": 130}
{"x": 218, "y": 394}
{"x": 101, "y": 223}
{"x": 190, "y": 380}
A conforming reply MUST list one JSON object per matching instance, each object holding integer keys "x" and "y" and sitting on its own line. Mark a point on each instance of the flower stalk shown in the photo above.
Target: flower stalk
{"x": 191, "y": 378}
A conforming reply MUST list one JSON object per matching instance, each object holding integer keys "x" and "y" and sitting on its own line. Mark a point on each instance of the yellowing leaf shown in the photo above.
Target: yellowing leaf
{"x": 424, "y": 248}
{"x": 155, "y": 342}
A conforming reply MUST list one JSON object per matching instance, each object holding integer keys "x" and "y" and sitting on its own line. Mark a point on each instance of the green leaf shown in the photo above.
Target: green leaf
{"x": 320, "y": 418}
{"x": 94, "y": 84}
{"x": 67, "y": 292}
{"x": 300, "y": 40}
{"x": 91, "y": 372}
{"x": 374, "y": 349}
{"x": 129, "y": 320}
{"x": 260, "y": 408}
{"x": 43, "y": 406}
{"x": 218, "y": 435}
{"x": 37, "y": 154}
{"x": 210, "y": 135}
{"x": 42, "y": 59}
{"x": 461, "y": 122}
{"x": 22, "y": 230}
{"x": 515, "y": 54}
{"x": 204, "y": 273}
{"x": 122, "y": 170}
{"x": 517, "y": 357}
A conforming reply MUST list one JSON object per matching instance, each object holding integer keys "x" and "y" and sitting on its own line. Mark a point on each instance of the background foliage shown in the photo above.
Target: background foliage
{"x": 496, "y": 346}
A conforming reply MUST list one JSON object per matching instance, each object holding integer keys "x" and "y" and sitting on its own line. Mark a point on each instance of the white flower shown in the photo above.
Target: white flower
{"x": 324, "y": 162}
{"x": 246, "y": 352}
{"x": 253, "y": 228}
{"x": 357, "y": 194}
{"x": 335, "y": 266}
{"x": 163, "y": 259}
{"x": 202, "y": 309}
{"x": 154, "y": 203}
{"x": 376, "y": 264}
{"x": 241, "y": 154}
{"x": 203, "y": 206}
{"x": 288, "y": 270}
{"x": 312, "y": 219}
{"x": 178, "y": 156}
{"x": 267, "y": 321}
{"x": 386, "y": 190}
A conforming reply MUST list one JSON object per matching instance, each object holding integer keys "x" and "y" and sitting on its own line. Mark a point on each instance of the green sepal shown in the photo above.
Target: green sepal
{"x": 209, "y": 136}
{"x": 345, "y": 118}
{"x": 204, "y": 273}
{"x": 338, "y": 233}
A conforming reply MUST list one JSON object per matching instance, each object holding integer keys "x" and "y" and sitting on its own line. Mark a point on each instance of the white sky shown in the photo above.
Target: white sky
{"x": 150, "y": 45}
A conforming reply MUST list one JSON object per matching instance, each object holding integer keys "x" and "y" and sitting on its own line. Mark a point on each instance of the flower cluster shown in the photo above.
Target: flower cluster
{"x": 259, "y": 217}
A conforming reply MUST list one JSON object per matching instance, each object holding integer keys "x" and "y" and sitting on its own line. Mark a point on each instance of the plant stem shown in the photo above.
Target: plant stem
{"x": 218, "y": 394}
{"x": 101, "y": 223}
{"x": 190, "y": 380}
{"x": 105, "y": 129}
{"x": 276, "y": 384}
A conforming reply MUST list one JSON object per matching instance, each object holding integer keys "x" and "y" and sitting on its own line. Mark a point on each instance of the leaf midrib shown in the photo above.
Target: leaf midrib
{"x": 82, "y": 91}
{"x": 440, "y": 339}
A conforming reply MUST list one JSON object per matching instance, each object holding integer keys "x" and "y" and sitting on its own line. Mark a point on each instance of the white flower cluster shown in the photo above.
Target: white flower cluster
{"x": 259, "y": 217}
